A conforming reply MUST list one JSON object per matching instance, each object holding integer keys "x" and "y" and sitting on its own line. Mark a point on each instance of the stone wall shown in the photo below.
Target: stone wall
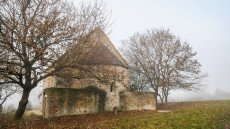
{"x": 137, "y": 101}
{"x": 69, "y": 101}
{"x": 49, "y": 82}
{"x": 103, "y": 88}
{"x": 105, "y": 72}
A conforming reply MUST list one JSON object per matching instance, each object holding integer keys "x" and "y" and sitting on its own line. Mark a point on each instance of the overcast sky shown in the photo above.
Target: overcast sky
{"x": 204, "y": 24}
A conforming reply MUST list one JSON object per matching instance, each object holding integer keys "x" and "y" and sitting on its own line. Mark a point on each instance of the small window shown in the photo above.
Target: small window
{"x": 112, "y": 86}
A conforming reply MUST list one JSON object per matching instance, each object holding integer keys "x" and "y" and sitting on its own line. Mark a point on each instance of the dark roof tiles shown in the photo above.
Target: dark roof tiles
{"x": 100, "y": 54}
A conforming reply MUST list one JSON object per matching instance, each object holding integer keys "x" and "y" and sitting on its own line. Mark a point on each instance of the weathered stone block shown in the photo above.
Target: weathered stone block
{"x": 137, "y": 101}
{"x": 69, "y": 101}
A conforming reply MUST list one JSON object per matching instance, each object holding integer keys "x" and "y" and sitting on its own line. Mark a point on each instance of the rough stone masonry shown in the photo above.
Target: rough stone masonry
{"x": 63, "y": 96}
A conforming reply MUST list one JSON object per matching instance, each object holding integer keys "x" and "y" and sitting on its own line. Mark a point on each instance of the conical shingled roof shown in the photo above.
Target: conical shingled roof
{"x": 99, "y": 50}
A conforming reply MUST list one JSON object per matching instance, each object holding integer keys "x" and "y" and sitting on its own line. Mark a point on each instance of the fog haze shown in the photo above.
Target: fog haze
{"x": 203, "y": 24}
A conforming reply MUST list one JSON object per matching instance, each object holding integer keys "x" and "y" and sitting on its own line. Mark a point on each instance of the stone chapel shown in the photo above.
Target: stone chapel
{"x": 105, "y": 89}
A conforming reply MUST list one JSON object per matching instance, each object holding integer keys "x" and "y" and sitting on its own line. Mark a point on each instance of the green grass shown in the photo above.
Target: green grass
{"x": 187, "y": 115}
{"x": 200, "y": 116}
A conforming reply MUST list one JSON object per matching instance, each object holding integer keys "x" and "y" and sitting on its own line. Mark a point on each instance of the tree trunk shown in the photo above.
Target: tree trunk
{"x": 1, "y": 108}
{"x": 166, "y": 94}
{"x": 22, "y": 104}
{"x": 162, "y": 100}
{"x": 166, "y": 99}
{"x": 0, "y": 99}
{"x": 156, "y": 101}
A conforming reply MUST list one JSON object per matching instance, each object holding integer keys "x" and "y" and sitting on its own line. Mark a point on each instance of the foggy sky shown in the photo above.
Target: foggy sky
{"x": 203, "y": 24}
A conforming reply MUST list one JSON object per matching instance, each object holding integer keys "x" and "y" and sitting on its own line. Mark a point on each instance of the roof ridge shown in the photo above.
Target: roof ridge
{"x": 107, "y": 38}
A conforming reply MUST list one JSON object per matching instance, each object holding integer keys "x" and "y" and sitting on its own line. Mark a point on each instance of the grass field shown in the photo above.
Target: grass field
{"x": 184, "y": 115}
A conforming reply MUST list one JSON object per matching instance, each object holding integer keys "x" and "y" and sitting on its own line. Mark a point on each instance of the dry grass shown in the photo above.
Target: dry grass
{"x": 186, "y": 115}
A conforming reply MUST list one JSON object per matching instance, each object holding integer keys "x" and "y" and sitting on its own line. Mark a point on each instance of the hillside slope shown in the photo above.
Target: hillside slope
{"x": 207, "y": 115}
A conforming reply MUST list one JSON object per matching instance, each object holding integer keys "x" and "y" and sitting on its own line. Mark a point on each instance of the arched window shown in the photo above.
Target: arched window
{"x": 112, "y": 86}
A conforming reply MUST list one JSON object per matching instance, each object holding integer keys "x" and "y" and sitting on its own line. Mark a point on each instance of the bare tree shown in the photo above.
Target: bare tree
{"x": 137, "y": 81}
{"x": 167, "y": 62}
{"x": 7, "y": 90}
{"x": 29, "y": 106}
{"x": 35, "y": 33}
